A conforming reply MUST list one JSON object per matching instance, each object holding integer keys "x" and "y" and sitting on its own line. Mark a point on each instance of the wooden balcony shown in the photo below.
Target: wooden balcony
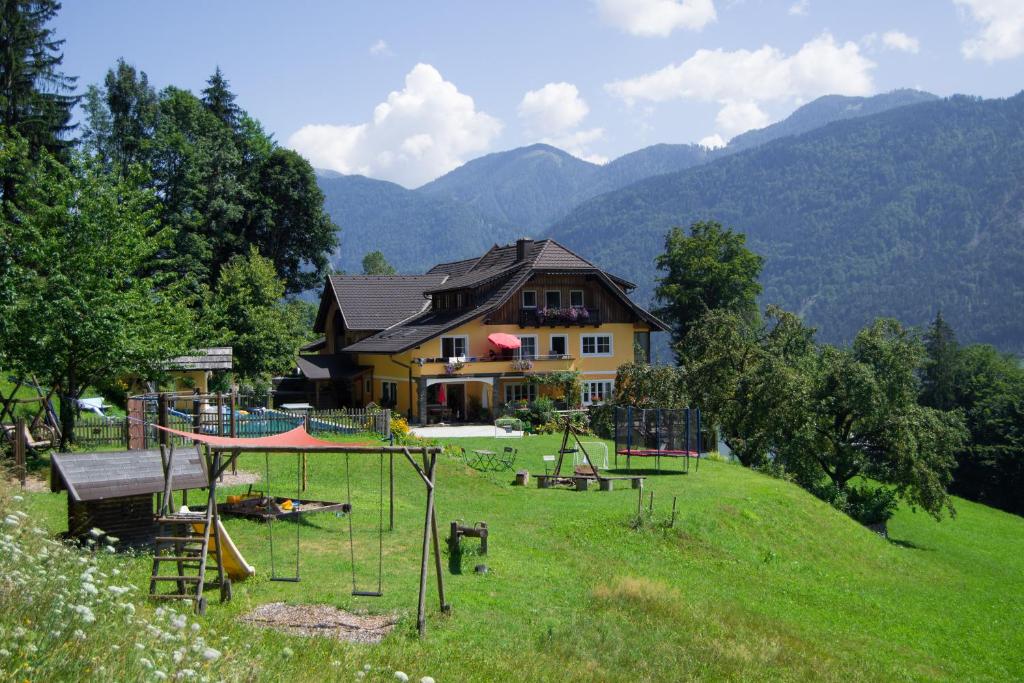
{"x": 560, "y": 317}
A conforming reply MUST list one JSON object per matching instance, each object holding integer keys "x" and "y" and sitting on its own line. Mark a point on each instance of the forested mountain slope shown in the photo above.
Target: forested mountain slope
{"x": 897, "y": 214}
{"x": 412, "y": 231}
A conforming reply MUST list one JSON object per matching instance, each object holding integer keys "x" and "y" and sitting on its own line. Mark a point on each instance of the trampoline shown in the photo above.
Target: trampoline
{"x": 658, "y": 433}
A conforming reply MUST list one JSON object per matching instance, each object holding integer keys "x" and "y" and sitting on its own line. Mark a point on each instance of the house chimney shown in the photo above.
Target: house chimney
{"x": 523, "y": 245}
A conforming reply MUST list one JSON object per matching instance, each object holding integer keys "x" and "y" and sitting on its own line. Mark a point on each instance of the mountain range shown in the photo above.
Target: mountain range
{"x": 898, "y": 204}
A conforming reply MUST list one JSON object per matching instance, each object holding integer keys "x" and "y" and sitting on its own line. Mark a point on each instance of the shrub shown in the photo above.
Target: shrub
{"x": 399, "y": 427}
{"x": 866, "y": 504}
{"x": 602, "y": 420}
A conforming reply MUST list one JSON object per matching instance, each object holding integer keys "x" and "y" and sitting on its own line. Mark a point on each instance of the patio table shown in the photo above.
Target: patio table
{"x": 485, "y": 459}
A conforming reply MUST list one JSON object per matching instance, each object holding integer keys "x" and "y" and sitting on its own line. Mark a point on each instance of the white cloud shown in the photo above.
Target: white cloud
{"x": 578, "y": 143}
{"x": 417, "y": 134}
{"x": 553, "y": 109}
{"x": 799, "y": 8}
{"x": 821, "y": 66}
{"x": 736, "y": 117}
{"x": 1001, "y": 35}
{"x": 742, "y": 80}
{"x": 657, "y": 17}
{"x": 712, "y": 141}
{"x": 380, "y": 49}
{"x": 898, "y": 40}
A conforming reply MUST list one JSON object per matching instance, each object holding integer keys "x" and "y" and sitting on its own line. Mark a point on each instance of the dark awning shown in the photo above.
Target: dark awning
{"x": 333, "y": 366}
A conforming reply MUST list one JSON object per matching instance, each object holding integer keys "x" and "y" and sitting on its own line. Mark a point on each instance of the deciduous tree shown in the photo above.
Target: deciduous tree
{"x": 374, "y": 263}
{"x": 708, "y": 269}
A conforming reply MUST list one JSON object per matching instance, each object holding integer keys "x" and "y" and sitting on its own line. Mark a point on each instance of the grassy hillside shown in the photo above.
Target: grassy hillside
{"x": 758, "y": 580}
{"x": 898, "y": 214}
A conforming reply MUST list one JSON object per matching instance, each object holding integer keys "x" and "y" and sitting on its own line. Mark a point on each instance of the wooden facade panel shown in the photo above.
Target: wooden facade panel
{"x": 129, "y": 518}
{"x": 595, "y": 296}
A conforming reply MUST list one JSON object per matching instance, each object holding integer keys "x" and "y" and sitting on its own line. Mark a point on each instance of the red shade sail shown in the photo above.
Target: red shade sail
{"x": 504, "y": 341}
{"x": 295, "y": 438}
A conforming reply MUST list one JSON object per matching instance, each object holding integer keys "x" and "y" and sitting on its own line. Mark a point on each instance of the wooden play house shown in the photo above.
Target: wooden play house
{"x": 115, "y": 491}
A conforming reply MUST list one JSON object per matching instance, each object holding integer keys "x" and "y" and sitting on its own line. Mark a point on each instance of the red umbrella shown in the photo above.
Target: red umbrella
{"x": 442, "y": 397}
{"x": 504, "y": 341}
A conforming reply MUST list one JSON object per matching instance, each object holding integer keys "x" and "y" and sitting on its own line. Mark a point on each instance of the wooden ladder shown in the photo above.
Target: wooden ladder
{"x": 186, "y": 550}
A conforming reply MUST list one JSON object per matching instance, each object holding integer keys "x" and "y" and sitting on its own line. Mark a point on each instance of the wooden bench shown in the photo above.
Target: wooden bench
{"x": 582, "y": 481}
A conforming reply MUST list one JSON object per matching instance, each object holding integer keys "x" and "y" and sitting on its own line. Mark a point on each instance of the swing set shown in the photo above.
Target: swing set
{"x": 299, "y": 442}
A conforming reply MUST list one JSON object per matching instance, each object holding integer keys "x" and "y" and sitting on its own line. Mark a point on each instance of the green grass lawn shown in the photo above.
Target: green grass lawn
{"x": 758, "y": 580}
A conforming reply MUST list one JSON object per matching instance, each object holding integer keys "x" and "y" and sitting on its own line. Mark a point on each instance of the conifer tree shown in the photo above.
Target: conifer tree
{"x": 219, "y": 100}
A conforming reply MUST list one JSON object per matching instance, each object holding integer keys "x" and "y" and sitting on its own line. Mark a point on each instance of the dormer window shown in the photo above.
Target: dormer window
{"x": 529, "y": 298}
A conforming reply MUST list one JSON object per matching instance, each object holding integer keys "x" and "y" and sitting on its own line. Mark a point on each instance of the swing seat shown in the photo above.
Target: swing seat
{"x": 368, "y": 594}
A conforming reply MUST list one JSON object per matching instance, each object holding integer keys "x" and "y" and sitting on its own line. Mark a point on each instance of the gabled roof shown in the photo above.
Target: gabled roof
{"x": 498, "y": 273}
{"x": 213, "y": 358}
{"x": 376, "y": 302}
{"x": 116, "y": 474}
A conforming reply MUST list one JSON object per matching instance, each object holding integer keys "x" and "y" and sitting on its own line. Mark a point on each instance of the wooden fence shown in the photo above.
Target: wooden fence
{"x": 99, "y": 432}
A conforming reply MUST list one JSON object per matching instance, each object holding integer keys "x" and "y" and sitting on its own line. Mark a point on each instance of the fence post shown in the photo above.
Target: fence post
{"x": 196, "y": 413}
{"x": 233, "y": 426}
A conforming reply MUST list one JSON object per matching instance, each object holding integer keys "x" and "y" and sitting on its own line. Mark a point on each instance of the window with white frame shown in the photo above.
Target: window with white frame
{"x": 454, "y": 347}
{"x": 553, "y": 298}
{"x": 520, "y": 392}
{"x": 597, "y": 391}
{"x": 559, "y": 345}
{"x": 596, "y": 345}
{"x": 527, "y": 346}
{"x": 529, "y": 298}
{"x": 576, "y": 298}
{"x": 388, "y": 393}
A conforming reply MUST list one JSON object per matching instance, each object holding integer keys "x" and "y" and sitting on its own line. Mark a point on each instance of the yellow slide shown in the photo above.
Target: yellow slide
{"x": 234, "y": 564}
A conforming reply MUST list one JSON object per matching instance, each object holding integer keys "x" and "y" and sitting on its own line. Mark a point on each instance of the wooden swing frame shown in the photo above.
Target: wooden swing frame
{"x": 216, "y": 465}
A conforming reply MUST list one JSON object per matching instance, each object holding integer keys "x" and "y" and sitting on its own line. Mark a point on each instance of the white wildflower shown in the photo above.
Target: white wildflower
{"x": 402, "y": 676}
{"x": 85, "y": 613}
{"x": 195, "y": 627}
{"x": 426, "y": 679}
{"x": 366, "y": 667}
{"x": 146, "y": 663}
{"x": 360, "y": 674}
{"x": 4, "y": 653}
{"x": 179, "y": 621}
{"x": 79, "y": 634}
{"x": 19, "y": 632}
{"x": 287, "y": 652}
{"x": 17, "y": 499}
{"x": 11, "y": 520}
{"x": 95, "y": 533}
{"x": 118, "y": 591}
{"x": 140, "y": 646}
{"x": 209, "y": 654}
{"x": 128, "y": 607}
{"x": 159, "y": 675}
{"x": 186, "y": 673}
{"x": 89, "y": 588}
{"x": 32, "y": 648}
{"x": 109, "y": 549}
{"x": 178, "y": 656}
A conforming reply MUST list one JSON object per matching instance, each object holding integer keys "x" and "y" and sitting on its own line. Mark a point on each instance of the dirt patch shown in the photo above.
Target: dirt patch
{"x": 240, "y": 478}
{"x": 322, "y": 620}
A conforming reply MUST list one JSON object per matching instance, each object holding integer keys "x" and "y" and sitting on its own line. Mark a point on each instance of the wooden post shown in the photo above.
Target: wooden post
{"x": 650, "y": 506}
{"x": 232, "y": 428}
{"x": 220, "y": 414}
{"x": 305, "y": 421}
{"x": 639, "y": 501}
{"x": 196, "y": 413}
{"x": 421, "y": 621}
{"x": 673, "y": 522}
{"x": 391, "y": 491}
{"x": 161, "y": 418}
{"x": 19, "y": 449}
{"x": 437, "y": 544}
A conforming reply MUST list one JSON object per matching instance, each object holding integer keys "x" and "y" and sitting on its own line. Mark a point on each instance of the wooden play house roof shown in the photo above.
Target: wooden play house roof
{"x": 118, "y": 474}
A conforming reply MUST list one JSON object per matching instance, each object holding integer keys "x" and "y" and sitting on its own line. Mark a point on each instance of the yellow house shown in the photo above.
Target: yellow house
{"x": 422, "y": 343}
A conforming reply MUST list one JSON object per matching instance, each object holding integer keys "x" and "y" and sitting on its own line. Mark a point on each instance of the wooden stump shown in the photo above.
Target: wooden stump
{"x": 607, "y": 485}
{"x": 543, "y": 481}
{"x": 581, "y": 483}
{"x": 638, "y": 482}
{"x": 522, "y": 478}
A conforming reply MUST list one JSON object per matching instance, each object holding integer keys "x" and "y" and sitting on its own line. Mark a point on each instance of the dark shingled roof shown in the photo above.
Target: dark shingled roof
{"x": 499, "y": 273}
{"x": 115, "y": 474}
{"x": 376, "y": 302}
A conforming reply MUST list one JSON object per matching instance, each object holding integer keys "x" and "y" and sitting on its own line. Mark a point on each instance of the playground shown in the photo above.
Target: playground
{"x": 682, "y": 573}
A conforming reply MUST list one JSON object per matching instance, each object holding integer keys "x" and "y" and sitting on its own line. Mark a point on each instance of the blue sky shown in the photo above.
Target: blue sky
{"x": 406, "y": 91}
